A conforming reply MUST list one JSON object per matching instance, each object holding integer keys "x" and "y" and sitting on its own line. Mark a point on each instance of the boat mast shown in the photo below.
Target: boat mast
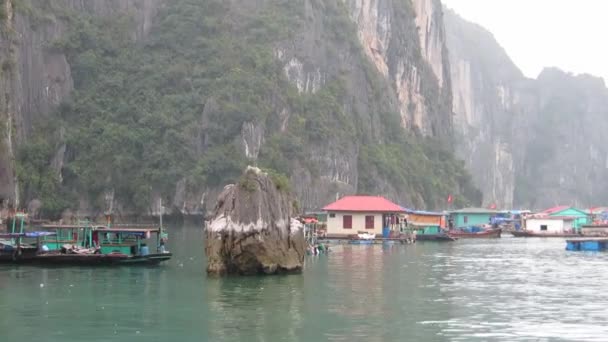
{"x": 160, "y": 230}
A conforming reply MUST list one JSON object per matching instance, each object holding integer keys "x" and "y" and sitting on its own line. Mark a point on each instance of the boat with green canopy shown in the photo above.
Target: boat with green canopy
{"x": 86, "y": 244}
{"x": 11, "y": 245}
{"x": 101, "y": 245}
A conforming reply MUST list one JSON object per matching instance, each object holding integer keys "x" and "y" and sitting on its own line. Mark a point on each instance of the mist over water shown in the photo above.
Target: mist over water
{"x": 495, "y": 290}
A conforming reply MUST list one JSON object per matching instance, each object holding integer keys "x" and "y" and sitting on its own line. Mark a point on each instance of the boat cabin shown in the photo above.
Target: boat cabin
{"x": 127, "y": 241}
{"x": 469, "y": 217}
{"x": 426, "y": 222}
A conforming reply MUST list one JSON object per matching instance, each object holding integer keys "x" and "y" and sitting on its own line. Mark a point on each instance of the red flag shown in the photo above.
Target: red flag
{"x": 493, "y": 206}
{"x": 450, "y": 199}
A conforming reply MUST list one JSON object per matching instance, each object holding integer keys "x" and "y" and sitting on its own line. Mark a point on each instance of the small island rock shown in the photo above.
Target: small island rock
{"x": 252, "y": 230}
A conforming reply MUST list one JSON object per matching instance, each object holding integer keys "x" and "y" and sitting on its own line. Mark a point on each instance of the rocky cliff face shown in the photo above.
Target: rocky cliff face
{"x": 528, "y": 143}
{"x": 35, "y": 77}
{"x": 253, "y": 230}
{"x": 490, "y": 108}
{"x": 566, "y": 159}
{"x": 346, "y": 97}
{"x": 406, "y": 43}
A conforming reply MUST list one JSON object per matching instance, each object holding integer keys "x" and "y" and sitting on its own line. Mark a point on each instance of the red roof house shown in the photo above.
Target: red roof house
{"x": 368, "y": 204}
{"x": 352, "y": 214}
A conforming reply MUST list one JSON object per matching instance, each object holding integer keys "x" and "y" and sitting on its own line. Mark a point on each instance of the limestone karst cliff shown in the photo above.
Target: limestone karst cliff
{"x": 135, "y": 100}
{"x": 253, "y": 228}
{"x": 108, "y": 105}
{"x": 491, "y": 108}
{"x": 532, "y": 143}
{"x": 36, "y": 78}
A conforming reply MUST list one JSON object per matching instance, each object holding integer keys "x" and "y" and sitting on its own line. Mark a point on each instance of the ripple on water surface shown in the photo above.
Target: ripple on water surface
{"x": 494, "y": 290}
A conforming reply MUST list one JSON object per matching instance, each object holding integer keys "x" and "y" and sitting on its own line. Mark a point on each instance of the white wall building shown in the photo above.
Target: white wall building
{"x": 550, "y": 225}
{"x": 352, "y": 214}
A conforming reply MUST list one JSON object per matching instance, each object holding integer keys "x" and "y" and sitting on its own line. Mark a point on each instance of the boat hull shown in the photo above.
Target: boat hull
{"x": 530, "y": 234}
{"x": 488, "y": 234}
{"x": 435, "y": 237}
{"x": 90, "y": 259}
{"x": 14, "y": 255}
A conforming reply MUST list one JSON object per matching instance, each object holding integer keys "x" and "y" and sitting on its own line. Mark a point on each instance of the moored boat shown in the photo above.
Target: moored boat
{"x": 482, "y": 234}
{"x": 363, "y": 238}
{"x": 524, "y": 233}
{"x": 85, "y": 245}
{"x": 100, "y": 245}
{"x": 11, "y": 248}
{"x": 435, "y": 237}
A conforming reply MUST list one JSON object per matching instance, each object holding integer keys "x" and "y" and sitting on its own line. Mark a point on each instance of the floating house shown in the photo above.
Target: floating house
{"x": 553, "y": 225}
{"x": 425, "y": 221}
{"x": 468, "y": 217}
{"x": 580, "y": 217}
{"x": 352, "y": 214}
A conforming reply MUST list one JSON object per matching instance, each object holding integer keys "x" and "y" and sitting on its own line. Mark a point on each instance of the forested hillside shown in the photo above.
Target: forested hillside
{"x": 211, "y": 86}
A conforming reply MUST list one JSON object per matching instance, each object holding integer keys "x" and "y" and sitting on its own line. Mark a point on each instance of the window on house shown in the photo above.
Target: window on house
{"x": 466, "y": 219}
{"x": 332, "y": 215}
{"x": 347, "y": 222}
{"x": 543, "y": 227}
{"x": 369, "y": 222}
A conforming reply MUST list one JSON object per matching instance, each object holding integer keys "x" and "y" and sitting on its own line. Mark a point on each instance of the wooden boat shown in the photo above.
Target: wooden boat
{"x": 524, "y": 233}
{"x": 86, "y": 245}
{"x": 484, "y": 234}
{"x": 99, "y": 245}
{"x": 365, "y": 236}
{"x": 435, "y": 237}
{"x": 11, "y": 248}
{"x": 11, "y": 245}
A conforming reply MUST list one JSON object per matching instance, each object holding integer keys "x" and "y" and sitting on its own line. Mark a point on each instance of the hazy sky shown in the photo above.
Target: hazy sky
{"x": 569, "y": 34}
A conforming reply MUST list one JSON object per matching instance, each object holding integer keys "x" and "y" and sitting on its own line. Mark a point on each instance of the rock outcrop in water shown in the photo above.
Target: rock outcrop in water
{"x": 252, "y": 230}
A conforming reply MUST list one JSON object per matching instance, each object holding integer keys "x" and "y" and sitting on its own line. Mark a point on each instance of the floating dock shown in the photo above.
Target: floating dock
{"x": 590, "y": 244}
{"x": 347, "y": 240}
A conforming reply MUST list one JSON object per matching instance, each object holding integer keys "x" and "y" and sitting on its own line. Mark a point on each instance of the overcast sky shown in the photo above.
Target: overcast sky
{"x": 569, "y": 34}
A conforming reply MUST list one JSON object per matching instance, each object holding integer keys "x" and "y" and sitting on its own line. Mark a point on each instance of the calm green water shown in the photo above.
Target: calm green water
{"x": 500, "y": 290}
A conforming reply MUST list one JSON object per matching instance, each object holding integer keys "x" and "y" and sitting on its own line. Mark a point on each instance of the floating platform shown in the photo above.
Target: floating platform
{"x": 588, "y": 245}
{"x": 376, "y": 241}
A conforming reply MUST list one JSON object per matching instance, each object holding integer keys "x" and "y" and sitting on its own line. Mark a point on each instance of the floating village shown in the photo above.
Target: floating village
{"x": 374, "y": 219}
{"x": 360, "y": 220}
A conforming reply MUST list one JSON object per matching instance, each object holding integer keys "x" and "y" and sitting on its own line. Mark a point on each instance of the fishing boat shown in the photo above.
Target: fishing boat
{"x": 431, "y": 233}
{"x": 525, "y": 233}
{"x": 475, "y": 234}
{"x": 11, "y": 245}
{"x": 435, "y": 237}
{"x": 91, "y": 245}
{"x": 11, "y": 248}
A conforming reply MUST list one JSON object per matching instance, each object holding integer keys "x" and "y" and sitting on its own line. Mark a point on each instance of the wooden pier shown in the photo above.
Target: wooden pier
{"x": 588, "y": 244}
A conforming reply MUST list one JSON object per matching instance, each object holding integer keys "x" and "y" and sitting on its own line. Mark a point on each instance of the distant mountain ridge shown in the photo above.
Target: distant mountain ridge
{"x": 110, "y": 105}
{"x": 528, "y": 143}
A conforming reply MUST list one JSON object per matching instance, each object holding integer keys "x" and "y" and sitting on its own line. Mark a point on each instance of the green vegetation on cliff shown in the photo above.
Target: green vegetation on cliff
{"x": 147, "y": 115}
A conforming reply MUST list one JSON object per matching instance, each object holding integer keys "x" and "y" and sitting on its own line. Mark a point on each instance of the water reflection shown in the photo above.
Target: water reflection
{"x": 263, "y": 309}
{"x": 501, "y": 290}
